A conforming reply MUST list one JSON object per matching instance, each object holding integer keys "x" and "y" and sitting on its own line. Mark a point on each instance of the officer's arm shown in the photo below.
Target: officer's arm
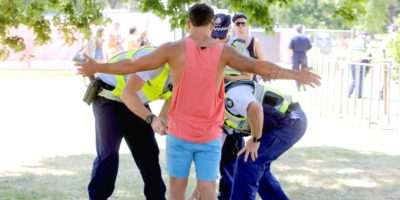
{"x": 256, "y": 118}
{"x": 268, "y": 69}
{"x": 151, "y": 61}
{"x": 255, "y": 115}
{"x": 131, "y": 99}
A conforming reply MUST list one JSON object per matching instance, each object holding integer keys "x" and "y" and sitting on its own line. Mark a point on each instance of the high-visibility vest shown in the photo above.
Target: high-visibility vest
{"x": 239, "y": 45}
{"x": 152, "y": 90}
{"x": 264, "y": 95}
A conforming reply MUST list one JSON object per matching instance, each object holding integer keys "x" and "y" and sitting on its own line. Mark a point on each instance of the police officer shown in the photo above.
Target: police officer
{"x": 275, "y": 124}
{"x": 114, "y": 120}
{"x": 222, "y": 33}
{"x": 232, "y": 142}
{"x": 299, "y": 45}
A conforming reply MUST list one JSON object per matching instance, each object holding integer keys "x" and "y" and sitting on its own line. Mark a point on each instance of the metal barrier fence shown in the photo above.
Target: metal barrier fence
{"x": 376, "y": 94}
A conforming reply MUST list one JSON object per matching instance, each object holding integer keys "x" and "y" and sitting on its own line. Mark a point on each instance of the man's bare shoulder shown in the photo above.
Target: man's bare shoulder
{"x": 227, "y": 51}
{"x": 171, "y": 47}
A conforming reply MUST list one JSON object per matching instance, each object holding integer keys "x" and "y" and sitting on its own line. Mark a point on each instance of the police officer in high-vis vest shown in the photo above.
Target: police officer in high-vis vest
{"x": 221, "y": 32}
{"x": 232, "y": 142}
{"x": 274, "y": 123}
{"x": 114, "y": 120}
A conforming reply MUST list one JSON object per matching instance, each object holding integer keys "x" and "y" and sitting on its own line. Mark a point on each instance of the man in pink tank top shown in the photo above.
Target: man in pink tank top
{"x": 197, "y": 65}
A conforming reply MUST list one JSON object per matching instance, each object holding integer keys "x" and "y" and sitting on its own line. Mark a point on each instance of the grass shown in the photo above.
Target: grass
{"x": 42, "y": 114}
{"x": 304, "y": 172}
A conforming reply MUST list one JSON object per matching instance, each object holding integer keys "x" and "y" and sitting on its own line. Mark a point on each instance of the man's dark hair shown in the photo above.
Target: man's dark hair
{"x": 201, "y": 14}
{"x": 238, "y": 16}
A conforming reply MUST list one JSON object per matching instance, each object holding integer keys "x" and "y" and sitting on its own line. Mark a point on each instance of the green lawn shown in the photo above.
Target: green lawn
{"x": 42, "y": 115}
{"x": 305, "y": 173}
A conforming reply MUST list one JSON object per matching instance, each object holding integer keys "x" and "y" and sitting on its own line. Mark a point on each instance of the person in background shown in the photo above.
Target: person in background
{"x": 222, "y": 33}
{"x": 132, "y": 40}
{"x": 360, "y": 53}
{"x": 143, "y": 40}
{"x": 98, "y": 45}
{"x": 115, "y": 41}
{"x": 298, "y": 47}
{"x": 253, "y": 45}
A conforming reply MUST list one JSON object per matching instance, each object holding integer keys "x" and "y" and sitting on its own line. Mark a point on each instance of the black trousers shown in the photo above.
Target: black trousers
{"x": 115, "y": 121}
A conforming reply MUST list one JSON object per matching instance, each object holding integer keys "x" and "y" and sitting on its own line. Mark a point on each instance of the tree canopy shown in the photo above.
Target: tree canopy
{"x": 72, "y": 16}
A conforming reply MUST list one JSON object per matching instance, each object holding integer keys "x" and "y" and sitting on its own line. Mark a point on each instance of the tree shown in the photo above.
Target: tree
{"x": 71, "y": 16}
{"x": 309, "y": 13}
{"x": 377, "y": 18}
{"x": 68, "y": 16}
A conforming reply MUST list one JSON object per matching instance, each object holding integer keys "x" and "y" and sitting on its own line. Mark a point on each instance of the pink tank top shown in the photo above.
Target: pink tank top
{"x": 197, "y": 109}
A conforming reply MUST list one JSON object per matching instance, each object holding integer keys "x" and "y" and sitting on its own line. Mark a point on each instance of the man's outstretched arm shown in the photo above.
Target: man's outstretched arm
{"x": 154, "y": 60}
{"x": 268, "y": 69}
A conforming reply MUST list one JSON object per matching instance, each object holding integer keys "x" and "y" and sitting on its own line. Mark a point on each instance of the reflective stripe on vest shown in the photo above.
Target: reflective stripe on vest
{"x": 262, "y": 93}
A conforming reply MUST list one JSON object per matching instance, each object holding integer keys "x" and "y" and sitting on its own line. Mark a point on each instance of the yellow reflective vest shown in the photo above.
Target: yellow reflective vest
{"x": 264, "y": 95}
{"x": 153, "y": 89}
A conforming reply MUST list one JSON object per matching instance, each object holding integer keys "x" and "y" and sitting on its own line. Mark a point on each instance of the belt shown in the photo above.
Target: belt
{"x": 293, "y": 106}
{"x": 106, "y": 85}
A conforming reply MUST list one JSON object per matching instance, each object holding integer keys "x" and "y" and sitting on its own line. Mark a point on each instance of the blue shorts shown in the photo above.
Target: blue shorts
{"x": 181, "y": 153}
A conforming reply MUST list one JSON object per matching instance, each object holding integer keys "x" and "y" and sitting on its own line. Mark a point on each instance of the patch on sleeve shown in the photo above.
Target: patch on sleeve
{"x": 229, "y": 103}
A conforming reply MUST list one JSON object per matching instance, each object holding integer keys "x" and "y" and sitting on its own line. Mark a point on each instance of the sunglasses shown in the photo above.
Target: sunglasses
{"x": 240, "y": 23}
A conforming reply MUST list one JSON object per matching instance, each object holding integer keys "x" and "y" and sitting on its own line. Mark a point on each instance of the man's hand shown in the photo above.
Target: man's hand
{"x": 164, "y": 121}
{"x": 88, "y": 68}
{"x": 251, "y": 149}
{"x": 306, "y": 77}
{"x": 158, "y": 126}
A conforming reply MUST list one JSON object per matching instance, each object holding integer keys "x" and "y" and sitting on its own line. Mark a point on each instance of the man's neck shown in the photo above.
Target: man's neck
{"x": 201, "y": 35}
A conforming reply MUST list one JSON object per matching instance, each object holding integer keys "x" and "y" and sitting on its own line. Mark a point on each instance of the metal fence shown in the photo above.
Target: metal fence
{"x": 376, "y": 95}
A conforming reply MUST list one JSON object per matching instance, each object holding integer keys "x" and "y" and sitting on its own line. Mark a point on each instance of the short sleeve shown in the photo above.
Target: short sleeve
{"x": 241, "y": 96}
{"x": 147, "y": 75}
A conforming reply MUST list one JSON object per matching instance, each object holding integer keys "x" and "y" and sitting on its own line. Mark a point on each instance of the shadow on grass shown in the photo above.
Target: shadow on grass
{"x": 305, "y": 173}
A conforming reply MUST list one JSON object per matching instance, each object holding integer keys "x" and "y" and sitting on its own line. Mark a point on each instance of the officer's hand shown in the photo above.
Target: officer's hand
{"x": 251, "y": 149}
{"x": 307, "y": 77}
{"x": 158, "y": 126}
{"x": 88, "y": 68}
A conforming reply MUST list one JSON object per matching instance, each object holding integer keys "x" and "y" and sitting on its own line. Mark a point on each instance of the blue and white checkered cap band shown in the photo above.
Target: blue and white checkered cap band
{"x": 221, "y": 28}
